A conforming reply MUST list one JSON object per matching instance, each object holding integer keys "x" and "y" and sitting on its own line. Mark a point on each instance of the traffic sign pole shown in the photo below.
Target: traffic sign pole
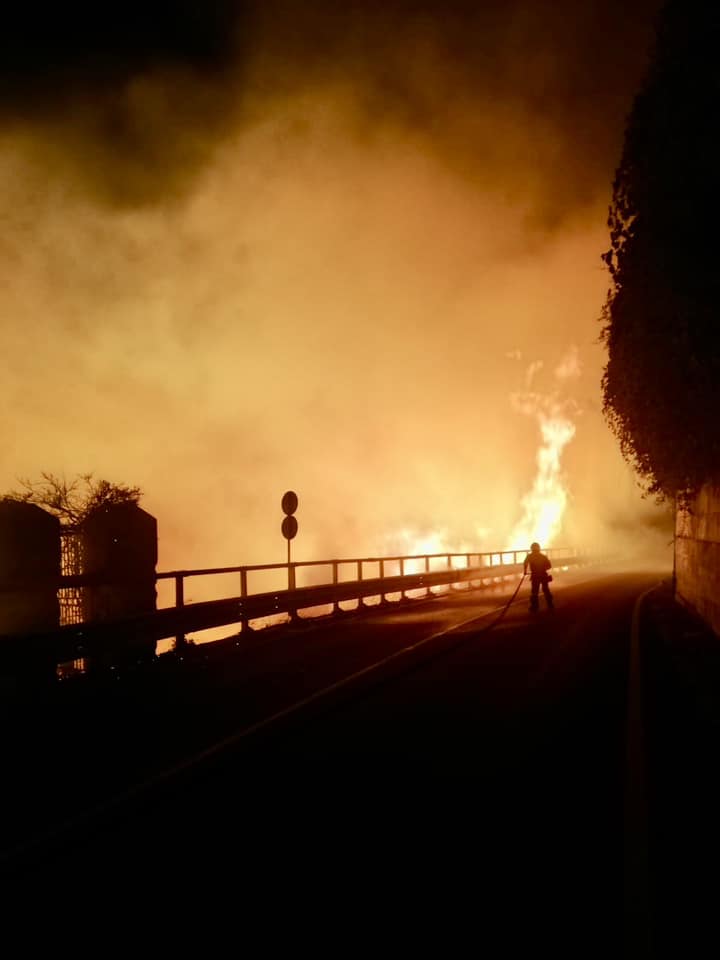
{"x": 289, "y": 529}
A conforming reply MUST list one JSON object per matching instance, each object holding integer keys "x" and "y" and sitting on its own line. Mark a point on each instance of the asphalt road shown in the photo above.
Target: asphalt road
{"x": 430, "y": 749}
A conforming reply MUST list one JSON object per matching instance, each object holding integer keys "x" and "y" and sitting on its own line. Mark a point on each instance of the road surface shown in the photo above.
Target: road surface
{"x": 521, "y": 761}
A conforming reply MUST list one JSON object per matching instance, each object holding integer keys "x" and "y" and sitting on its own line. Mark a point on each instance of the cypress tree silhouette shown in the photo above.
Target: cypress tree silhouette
{"x": 661, "y": 385}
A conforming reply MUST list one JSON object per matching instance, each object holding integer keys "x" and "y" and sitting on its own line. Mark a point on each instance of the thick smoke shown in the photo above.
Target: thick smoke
{"x": 262, "y": 248}
{"x": 131, "y": 98}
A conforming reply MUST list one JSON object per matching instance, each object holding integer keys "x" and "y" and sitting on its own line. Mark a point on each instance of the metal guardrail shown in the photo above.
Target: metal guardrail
{"x": 487, "y": 563}
{"x": 415, "y": 572}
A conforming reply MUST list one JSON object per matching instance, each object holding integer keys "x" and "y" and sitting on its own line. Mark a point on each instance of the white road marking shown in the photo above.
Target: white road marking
{"x": 637, "y": 868}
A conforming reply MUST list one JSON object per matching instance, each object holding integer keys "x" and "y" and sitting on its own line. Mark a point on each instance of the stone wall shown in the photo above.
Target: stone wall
{"x": 697, "y": 555}
{"x": 119, "y": 551}
{"x": 29, "y": 568}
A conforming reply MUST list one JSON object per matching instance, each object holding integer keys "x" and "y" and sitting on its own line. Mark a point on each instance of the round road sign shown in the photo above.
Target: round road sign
{"x": 289, "y": 527}
{"x": 289, "y": 505}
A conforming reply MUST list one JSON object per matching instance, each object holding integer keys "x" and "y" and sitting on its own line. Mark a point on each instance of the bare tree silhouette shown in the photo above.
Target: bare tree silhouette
{"x": 72, "y": 501}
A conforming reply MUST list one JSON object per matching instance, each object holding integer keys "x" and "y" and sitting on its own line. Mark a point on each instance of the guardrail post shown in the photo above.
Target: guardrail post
{"x": 383, "y": 599}
{"x": 361, "y": 600}
{"x": 451, "y": 588}
{"x": 291, "y": 586}
{"x": 180, "y": 641}
{"x": 244, "y": 622}
{"x": 403, "y": 595}
{"x": 336, "y": 606}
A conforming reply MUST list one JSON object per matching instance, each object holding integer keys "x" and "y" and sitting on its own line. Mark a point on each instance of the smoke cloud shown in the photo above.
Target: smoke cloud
{"x": 262, "y": 248}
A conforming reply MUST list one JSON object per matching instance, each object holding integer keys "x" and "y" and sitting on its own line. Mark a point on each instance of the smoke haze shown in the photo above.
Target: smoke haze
{"x": 315, "y": 250}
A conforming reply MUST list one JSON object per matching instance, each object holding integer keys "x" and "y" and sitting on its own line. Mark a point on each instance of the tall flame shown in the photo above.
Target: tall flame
{"x": 544, "y": 505}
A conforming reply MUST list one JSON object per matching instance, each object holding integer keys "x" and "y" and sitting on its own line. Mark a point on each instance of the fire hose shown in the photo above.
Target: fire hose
{"x": 508, "y": 604}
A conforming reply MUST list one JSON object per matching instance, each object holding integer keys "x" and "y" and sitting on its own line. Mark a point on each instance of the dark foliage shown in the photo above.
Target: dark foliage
{"x": 662, "y": 381}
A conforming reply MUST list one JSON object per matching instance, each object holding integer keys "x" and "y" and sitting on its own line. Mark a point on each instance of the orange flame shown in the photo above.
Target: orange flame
{"x": 544, "y": 505}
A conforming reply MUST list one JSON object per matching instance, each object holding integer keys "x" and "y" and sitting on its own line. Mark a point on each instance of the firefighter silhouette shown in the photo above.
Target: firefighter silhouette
{"x": 539, "y": 576}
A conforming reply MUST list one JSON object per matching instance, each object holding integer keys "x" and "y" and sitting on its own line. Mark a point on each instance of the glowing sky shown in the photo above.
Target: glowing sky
{"x": 354, "y": 253}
